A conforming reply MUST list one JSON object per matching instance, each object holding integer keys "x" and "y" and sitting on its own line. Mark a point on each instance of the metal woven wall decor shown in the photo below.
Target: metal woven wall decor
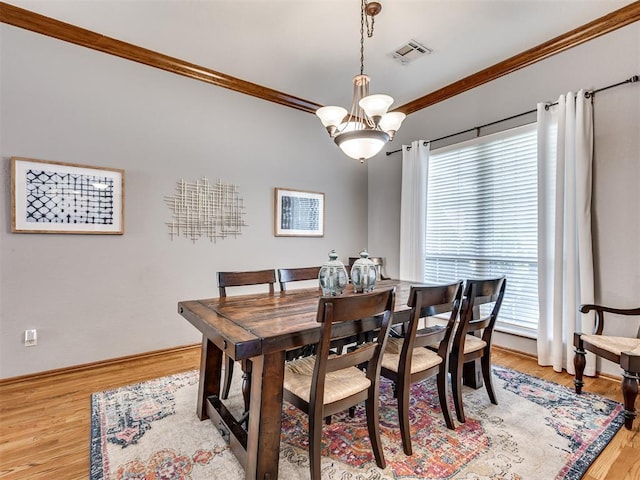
{"x": 201, "y": 209}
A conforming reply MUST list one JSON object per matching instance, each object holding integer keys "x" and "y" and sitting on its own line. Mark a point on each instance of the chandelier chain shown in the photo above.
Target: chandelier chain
{"x": 362, "y": 38}
{"x": 364, "y": 20}
{"x": 373, "y": 19}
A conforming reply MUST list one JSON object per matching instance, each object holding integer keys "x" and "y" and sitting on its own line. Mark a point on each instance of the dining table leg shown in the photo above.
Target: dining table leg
{"x": 265, "y": 416}
{"x": 472, "y": 374}
{"x": 246, "y": 383}
{"x": 210, "y": 373}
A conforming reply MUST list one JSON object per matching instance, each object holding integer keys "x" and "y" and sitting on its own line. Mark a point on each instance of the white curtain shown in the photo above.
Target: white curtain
{"x": 565, "y": 259}
{"x": 413, "y": 208}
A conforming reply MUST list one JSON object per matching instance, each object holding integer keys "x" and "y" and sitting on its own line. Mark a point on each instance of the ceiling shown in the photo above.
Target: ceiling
{"x": 311, "y": 48}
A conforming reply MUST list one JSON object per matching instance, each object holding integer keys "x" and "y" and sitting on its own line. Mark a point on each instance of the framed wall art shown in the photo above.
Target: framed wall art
{"x": 298, "y": 213}
{"x": 57, "y": 197}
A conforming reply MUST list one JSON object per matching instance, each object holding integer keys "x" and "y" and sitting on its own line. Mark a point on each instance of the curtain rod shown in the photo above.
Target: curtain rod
{"x": 588, "y": 94}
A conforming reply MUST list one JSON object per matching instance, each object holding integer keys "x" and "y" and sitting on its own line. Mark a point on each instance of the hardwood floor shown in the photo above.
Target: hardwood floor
{"x": 45, "y": 420}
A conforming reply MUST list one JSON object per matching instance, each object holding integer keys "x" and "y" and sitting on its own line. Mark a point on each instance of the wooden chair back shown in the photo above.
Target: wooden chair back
{"x": 377, "y": 261}
{"x": 478, "y": 293}
{"x": 600, "y": 311}
{"x": 427, "y": 302}
{"x": 239, "y": 279}
{"x": 338, "y": 310}
{"x": 286, "y": 275}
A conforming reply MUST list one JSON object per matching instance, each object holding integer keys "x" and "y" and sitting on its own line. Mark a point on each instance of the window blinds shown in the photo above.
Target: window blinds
{"x": 482, "y": 219}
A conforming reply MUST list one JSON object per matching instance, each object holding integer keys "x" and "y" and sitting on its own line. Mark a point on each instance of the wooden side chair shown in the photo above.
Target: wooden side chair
{"x": 625, "y": 351}
{"x": 406, "y": 361}
{"x": 287, "y": 275}
{"x": 240, "y": 279}
{"x": 377, "y": 261}
{"x": 479, "y": 296}
{"x": 325, "y": 384}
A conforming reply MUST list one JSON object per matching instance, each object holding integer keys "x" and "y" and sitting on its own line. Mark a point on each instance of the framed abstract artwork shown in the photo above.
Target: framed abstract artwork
{"x": 298, "y": 213}
{"x": 57, "y": 197}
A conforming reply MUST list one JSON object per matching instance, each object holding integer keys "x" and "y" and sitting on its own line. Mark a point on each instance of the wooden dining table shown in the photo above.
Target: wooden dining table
{"x": 261, "y": 328}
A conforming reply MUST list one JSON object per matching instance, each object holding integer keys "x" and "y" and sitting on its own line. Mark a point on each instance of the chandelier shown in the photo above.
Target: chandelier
{"x": 368, "y": 126}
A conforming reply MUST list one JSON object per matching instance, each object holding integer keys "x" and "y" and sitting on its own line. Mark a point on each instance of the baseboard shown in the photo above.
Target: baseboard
{"x": 98, "y": 364}
{"x": 186, "y": 348}
{"x": 515, "y": 352}
{"x": 142, "y": 356}
{"x": 609, "y": 376}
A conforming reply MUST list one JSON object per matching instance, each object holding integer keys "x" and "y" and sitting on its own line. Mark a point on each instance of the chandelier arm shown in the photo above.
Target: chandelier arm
{"x": 353, "y": 112}
{"x": 364, "y": 118}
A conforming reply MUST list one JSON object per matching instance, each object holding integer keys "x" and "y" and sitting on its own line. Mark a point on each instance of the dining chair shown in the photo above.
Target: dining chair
{"x": 325, "y": 384}
{"x": 240, "y": 279}
{"x": 287, "y": 275}
{"x": 478, "y": 314}
{"x": 406, "y": 361}
{"x": 377, "y": 261}
{"x": 625, "y": 351}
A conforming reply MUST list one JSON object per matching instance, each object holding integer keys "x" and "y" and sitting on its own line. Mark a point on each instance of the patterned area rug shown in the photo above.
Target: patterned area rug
{"x": 539, "y": 430}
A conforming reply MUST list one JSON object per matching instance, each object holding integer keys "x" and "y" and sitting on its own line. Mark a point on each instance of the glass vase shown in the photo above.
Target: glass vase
{"x": 363, "y": 274}
{"x": 333, "y": 276}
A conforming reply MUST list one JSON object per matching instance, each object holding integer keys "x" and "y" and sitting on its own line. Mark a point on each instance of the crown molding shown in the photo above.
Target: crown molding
{"x": 603, "y": 25}
{"x": 50, "y": 27}
{"x": 34, "y": 22}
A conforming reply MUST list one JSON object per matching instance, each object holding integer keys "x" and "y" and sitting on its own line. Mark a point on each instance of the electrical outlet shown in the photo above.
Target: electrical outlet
{"x": 30, "y": 338}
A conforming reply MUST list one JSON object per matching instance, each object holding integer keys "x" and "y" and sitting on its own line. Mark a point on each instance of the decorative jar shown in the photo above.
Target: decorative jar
{"x": 363, "y": 274}
{"x": 333, "y": 276}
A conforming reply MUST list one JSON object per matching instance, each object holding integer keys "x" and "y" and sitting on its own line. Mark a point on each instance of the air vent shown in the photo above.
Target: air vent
{"x": 410, "y": 52}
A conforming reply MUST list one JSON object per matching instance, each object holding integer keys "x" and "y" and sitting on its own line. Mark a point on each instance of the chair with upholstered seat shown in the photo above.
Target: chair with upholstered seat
{"x": 241, "y": 279}
{"x": 625, "y": 351}
{"x": 287, "y": 275}
{"x": 406, "y": 361}
{"x": 325, "y": 384}
{"x": 478, "y": 314}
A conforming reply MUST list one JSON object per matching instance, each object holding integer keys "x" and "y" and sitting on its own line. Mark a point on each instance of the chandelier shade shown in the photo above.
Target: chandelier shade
{"x": 391, "y": 122}
{"x": 362, "y": 132}
{"x": 361, "y": 144}
{"x": 331, "y": 116}
{"x": 376, "y": 105}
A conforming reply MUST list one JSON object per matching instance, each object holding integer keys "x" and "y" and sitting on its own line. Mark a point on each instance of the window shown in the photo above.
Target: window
{"x": 482, "y": 219}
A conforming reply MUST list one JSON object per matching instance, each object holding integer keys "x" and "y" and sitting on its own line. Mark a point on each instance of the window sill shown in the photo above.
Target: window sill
{"x": 517, "y": 331}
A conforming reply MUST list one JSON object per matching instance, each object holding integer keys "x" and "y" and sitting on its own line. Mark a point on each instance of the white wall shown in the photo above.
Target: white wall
{"x": 616, "y": 203}
{"x": 94, "y": 297}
